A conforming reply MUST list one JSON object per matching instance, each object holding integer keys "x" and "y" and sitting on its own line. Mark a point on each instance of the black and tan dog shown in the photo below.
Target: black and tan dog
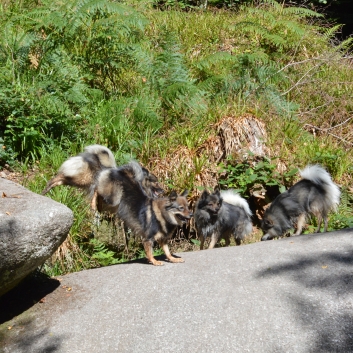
{"x": 153, "y": 219}
{"x": 108, "y": 185}
{"x": 222, "y": 215}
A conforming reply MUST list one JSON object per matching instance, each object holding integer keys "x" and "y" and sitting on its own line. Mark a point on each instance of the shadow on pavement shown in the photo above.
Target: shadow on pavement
{"x": 323, "y": 302}
{"x": 24, "y": 338}
{"x": 30, "y": 291}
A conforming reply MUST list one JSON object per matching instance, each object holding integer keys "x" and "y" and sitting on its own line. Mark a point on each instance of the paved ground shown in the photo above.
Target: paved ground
{"x": 288, "y": 295}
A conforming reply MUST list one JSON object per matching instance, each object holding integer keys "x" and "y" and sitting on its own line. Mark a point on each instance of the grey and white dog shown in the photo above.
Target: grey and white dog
{"x": 109, "y": 186}
{"x": 221, "y": 215}
{"x": 81, "y": 171}
{"x": 90, "y": 171}
{"x": 316, "y": 194}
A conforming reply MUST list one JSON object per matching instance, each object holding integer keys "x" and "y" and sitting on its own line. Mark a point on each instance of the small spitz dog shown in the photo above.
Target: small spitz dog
{"x": 222, "y": 214}
{"x": 84, "y": 170}
{"x": 81, "y": 171}
{"x": 315, "y": 194}
{"x": 152, "y": 219}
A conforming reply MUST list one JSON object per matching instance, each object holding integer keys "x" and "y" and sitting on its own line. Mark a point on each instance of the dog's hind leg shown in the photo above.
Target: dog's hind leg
{"x": 169, "y": 256}
{"x": 325, "y": 223}
{"x": 213, "y": 242}
{"x": 126, "y": 236}
{"x": 94, "y": 208}
{"x": 300, "y": 224}
{"x": 149, "y": 254}
{"x": 56, "y": 181}
{"x": 227, "y": 239}
{"x": 319, "y": 221}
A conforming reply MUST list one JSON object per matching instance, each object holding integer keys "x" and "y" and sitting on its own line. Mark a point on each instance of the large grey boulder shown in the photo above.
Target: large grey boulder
{"x": 32, "y": 227}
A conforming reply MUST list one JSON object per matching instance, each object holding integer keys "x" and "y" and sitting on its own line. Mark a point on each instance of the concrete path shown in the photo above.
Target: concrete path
{"x": 288, "y": 295}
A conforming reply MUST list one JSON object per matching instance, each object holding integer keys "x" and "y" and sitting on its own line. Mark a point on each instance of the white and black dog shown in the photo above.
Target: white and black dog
{"x": 87, "y": 171}
{"x": 315, "y": 194}
{"x": 221, "y": 215}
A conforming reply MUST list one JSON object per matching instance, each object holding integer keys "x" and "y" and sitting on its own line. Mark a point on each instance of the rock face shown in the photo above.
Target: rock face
{"x": 32, "y": 227}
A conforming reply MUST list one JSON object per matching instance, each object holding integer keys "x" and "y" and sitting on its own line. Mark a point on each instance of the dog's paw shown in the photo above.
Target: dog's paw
{"x": 176, "y": 259}
{"x": 157, "y": 263}
{"x": 266, "y": 237}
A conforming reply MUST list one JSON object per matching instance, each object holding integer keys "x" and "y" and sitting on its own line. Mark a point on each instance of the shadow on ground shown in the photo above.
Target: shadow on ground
{"x": 25, "y": 338}
{"x": 29, "y": 292}
{"x": 325, "y": 306}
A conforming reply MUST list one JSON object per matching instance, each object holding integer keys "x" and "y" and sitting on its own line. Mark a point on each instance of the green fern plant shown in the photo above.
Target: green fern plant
{"x": 278, "y": 30}
{"x": 247, "y": 76}
{"x": 103, "y": 256}
{"x": 171, "y": 78}
{"x": 101, "y": 34}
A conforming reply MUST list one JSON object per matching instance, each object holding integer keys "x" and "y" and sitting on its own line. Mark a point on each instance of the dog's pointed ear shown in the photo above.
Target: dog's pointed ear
{"x": 185, "y": 193}
{"x": 268, "y": 222}
{"x": 145, "y": 172}
{"x": 173, "y": 196}
{"x": 217, "y": 191}
{"x": 204, "y": 194}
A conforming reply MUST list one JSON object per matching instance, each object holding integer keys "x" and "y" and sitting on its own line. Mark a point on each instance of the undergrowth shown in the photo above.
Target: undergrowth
{"x": 147, "y": 83}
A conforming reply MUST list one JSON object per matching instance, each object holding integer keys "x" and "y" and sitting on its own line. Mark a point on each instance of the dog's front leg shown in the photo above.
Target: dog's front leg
{"x": 56, "y": 181}
{"x": 227, "y": 239}
{"x": 94, "y": 201}
{"x": 149, "y": 254}
{"x": 169, "y": 256}
{"x": 202, "y": 241}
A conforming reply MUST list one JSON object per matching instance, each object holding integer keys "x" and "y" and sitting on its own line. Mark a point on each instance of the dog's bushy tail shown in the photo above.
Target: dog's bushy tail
{"x": 232, "y": 197}
{"x": 136, "y": 169}
{"x": 104, "y": 154}
{"x": 319, "y": 176}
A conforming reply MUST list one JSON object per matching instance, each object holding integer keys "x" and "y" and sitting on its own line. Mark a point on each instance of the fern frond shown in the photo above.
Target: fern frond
{"x": 216, "y": 59}
{"x": 301, "y": 12}
{"x": 273, "y": 3}
{"x": 346, "y": 44}
{"x": 293, "y": 27}
{"x": 331, "y": 31}
{"x": 147, "y": 113}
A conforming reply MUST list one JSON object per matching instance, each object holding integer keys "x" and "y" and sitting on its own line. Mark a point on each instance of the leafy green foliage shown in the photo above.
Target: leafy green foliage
{"x": 104, "y": 256}
{"x": 169, "y": 76}
{"x": 45, "y": 91}
{"x": 146, "y": 82}
{"x": 243, "y": 176}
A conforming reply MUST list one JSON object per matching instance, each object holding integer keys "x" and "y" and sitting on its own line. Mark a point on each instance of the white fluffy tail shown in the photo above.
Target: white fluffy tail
{"x": 320, "y": 176}
{"x": 137, "y": 170}
{"x": 73, "y": 166}
{"x": 232, "y": 197}
{"x": 104, "y": 154}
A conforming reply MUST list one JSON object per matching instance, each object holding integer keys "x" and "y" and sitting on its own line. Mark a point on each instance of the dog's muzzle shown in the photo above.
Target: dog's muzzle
{"x": 182, "y": 218}
{"x": 266, "y": 237}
